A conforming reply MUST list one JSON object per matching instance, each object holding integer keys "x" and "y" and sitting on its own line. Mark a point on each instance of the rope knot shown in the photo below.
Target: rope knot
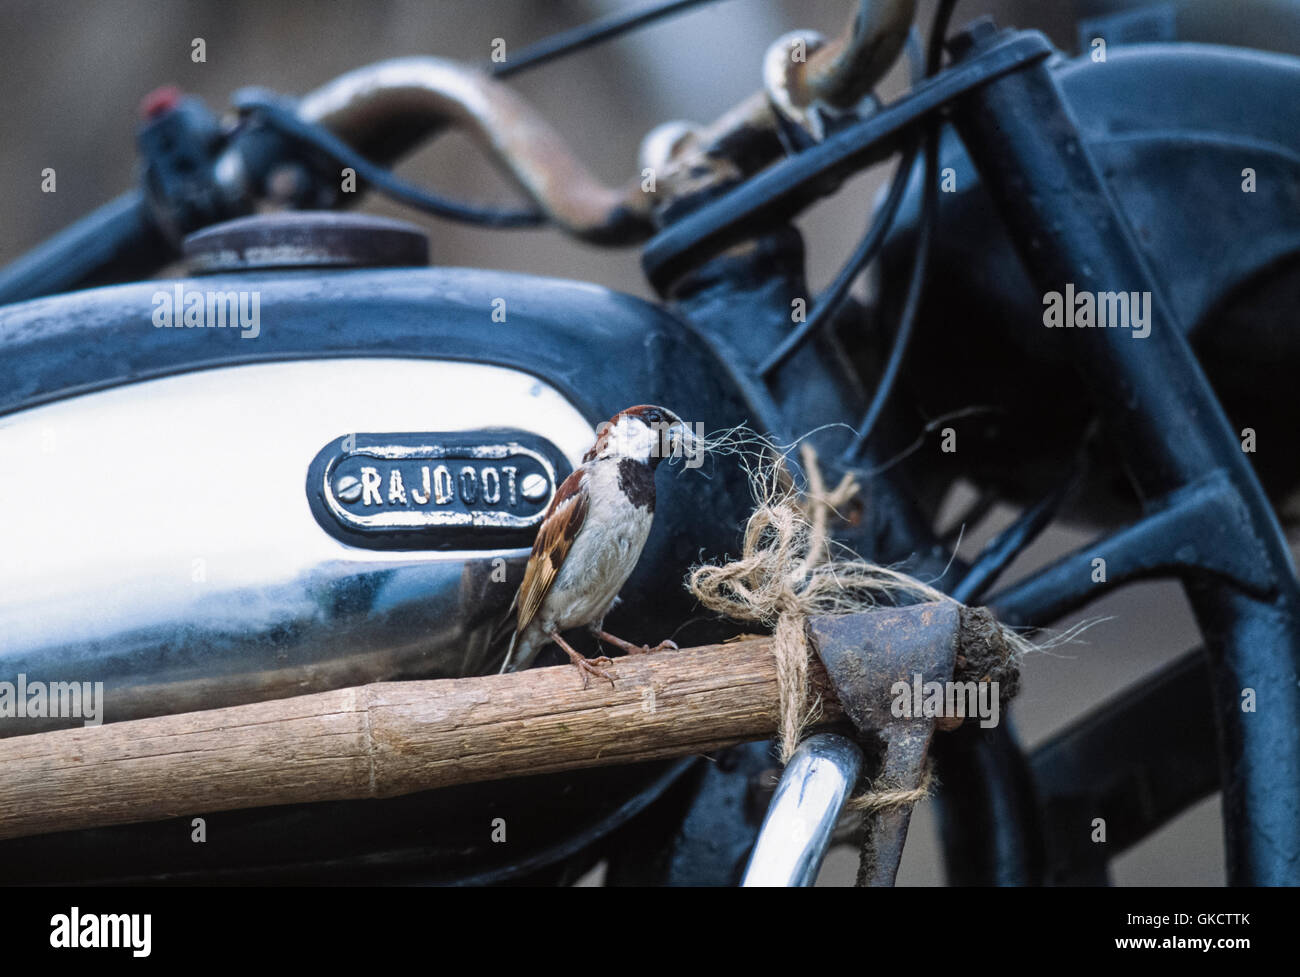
{"x": 785, "y": 573}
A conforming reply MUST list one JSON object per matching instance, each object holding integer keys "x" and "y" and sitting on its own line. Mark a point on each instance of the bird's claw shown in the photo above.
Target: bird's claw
{"x": 630, "y": 649}
{"x": 590, "y": 666}
{"x": 664, "y": 645}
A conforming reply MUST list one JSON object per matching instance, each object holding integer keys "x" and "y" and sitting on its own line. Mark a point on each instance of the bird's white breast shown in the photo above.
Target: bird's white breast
{"x": 603, "y": 555}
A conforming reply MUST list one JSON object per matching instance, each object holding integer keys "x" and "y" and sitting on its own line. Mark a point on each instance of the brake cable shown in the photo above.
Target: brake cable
{"x": 863, "y": 255}
{"x": 274, "y": 113}
{"x": 925, "y": 235}
{"x": 830, "y": 300}
{"x": 277, "y": 114}
{"x": 590, "y": 34}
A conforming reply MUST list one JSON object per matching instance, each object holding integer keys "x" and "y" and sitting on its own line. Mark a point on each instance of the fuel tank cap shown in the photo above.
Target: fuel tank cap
{"x": 306, "y": 239}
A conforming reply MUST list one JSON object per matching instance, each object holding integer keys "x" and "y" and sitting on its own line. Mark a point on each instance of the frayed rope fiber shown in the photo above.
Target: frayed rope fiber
{"x": 787, "y": 572}
{"x": 883, "y": 797}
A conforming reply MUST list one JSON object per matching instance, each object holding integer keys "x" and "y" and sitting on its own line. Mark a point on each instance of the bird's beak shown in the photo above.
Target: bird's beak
{"x": 681, "y": 439}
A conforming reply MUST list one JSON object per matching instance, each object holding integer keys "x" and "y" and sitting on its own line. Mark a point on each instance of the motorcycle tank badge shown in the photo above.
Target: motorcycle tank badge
{"x": 462, "y": 490}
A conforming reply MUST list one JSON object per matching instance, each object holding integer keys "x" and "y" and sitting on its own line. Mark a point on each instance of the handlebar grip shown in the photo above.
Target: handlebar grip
{"x": 118, "y": 242}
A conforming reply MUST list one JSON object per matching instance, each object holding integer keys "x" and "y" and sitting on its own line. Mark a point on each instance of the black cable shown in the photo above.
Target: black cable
{"x": 911, "y": 306}
{"x": 938, "y": 34}
{"x": 588, "y": 35}
{"x": 287, "y": 122}
{"x": 920, "y": 264}
{"x": 829, "y": 301}
{"x": 1008, "y": 544}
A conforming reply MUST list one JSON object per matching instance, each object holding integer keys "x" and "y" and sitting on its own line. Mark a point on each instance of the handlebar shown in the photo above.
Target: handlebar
{"x": 420, "y": 95}
{"x": 385, "y": 109}
{"x": 117, "y": 242}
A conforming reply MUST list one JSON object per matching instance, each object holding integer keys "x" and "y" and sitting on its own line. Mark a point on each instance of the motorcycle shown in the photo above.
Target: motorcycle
{"x": 1103, "y": 255}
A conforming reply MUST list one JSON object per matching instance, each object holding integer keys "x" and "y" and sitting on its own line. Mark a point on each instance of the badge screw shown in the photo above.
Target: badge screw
{"x": 347, "y": 489}
{"x": 534, "y": 487}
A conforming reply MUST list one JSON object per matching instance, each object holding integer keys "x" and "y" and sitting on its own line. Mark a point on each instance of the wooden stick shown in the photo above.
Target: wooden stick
{"x": 393, "y": 738}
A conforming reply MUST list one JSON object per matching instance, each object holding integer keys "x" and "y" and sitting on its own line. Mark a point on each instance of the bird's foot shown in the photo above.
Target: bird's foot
{"x": 587, "y": 666}
{"x": 591, "y": 666}
{"x": 631, "y": 649}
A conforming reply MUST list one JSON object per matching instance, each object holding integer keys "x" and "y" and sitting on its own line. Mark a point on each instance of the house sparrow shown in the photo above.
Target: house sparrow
{"x": 591, "y": 538}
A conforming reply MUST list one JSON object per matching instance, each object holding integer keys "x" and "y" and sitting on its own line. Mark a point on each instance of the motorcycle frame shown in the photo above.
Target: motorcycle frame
{"x": 1007, "y": 817}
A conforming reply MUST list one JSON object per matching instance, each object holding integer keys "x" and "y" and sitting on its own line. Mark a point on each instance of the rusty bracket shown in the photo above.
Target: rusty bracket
{"x": 866, "y": 656}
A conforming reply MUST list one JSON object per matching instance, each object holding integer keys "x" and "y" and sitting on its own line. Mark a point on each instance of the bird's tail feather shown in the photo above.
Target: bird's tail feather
{"x": 505, "y": 665}
{"x": 499, "y": 635}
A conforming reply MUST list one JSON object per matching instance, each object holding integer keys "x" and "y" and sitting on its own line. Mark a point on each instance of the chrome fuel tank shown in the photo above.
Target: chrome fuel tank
{"x": 158, "y": 532}
{"x": 167, "y": 548}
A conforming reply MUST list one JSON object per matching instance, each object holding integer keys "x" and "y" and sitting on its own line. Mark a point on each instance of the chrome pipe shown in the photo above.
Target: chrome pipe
{"x": 796, "y": 832}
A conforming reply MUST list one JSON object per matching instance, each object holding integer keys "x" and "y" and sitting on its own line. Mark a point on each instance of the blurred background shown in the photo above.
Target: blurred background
{"x": 74, "y": 73}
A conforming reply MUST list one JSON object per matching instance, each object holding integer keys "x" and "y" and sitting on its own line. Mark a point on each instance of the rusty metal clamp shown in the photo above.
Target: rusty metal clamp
{"x": 867, "y": 657}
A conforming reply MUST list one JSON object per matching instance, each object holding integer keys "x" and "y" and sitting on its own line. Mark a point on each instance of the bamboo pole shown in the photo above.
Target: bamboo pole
{"x": 393, "y": 738}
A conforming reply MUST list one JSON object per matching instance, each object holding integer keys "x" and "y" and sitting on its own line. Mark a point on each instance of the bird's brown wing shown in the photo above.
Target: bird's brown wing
{"x": 563, "y": 520}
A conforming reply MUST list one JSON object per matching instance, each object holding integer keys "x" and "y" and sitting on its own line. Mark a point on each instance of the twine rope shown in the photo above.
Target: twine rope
{"x": 785, "y": 573}
{"x": 884, "y": 797}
